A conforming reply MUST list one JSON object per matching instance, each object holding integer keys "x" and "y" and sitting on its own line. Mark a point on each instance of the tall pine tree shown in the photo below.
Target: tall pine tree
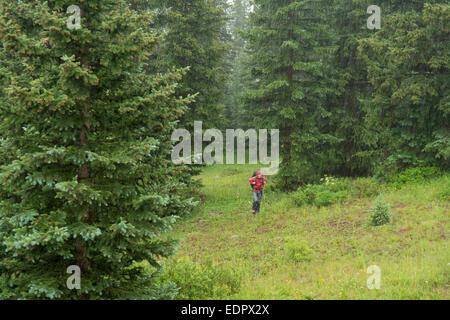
{"x": 291, "y": 46}
{"x": 195, "y": 38}
{"x": 89, "y": 181}
{"x": 237, "y": 55}
{"x": 408, "y": 66}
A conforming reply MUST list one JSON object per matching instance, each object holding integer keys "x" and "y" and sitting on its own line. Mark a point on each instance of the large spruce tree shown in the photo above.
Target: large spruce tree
{"x": 88, "y": 180}
{"x": 291, "y": 45}
{"x": 236, "y": 59}
{"x": 408, "y": 66}
{"x": 194, "y": 38}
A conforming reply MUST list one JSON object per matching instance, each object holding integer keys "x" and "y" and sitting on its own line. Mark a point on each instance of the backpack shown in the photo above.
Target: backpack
{"x": 254, "y": 175}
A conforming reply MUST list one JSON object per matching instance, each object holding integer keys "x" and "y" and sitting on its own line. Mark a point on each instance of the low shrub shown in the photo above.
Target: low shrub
{"x": 298, "y": 251}
{"x": 334, "y": 190}
{"x": 444, "y": 193}
{"x": 364, "y": 187}
{"x": 414, "y": 175}
{"x": 200, "y": 281}
{"x": 381, "y": 213}
{"x": 330, "y": 191}
{"x": 326, "y": 198}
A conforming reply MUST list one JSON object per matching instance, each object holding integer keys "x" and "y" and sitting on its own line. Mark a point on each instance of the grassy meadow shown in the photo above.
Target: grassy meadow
{"x": 411, "y": 251}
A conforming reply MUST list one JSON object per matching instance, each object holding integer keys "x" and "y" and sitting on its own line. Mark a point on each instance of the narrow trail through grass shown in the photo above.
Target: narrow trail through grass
{"x": 412, "y": 251}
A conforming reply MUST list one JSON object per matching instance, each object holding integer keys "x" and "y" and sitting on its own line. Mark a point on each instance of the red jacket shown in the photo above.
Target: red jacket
{"x": 258, "y": 184}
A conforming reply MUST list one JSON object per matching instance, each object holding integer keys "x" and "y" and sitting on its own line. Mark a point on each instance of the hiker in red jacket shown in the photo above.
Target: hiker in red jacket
{"x": 257, "y": 182}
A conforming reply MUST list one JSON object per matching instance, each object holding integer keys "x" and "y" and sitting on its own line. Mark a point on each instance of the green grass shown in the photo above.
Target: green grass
{"x": 412, "y": 251}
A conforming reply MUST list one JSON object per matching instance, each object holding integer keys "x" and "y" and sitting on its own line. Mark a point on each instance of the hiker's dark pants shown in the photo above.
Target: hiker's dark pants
{"x": 256, "y": 201}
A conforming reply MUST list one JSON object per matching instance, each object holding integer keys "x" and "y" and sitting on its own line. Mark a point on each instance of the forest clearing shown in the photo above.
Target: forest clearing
{"x": 412, "y": 252}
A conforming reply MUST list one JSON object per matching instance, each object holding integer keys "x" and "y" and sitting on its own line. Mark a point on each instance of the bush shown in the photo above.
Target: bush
{"x": 414, "y": 175}
{"x": 200, "y": 282}
{"x": 444, "y": 193}
{"x": 318, "y": 195}
{"x": 298, "y": 251}
{"x": 330, "y": 191}
{"x": 334, "y": 190}
{"x": 364, "y": 187}
{"x": 326, "y": 198}
{"x": 381, "y": 214}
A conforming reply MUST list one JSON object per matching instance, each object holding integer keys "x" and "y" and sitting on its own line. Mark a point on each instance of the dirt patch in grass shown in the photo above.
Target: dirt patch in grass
{"x": 341, "y": 225}
{"x": 403, "y": 231}
{"x": 261, "y": 230}
{"x": 400, "y": 206}
{"x": 442, "y": 232}
{"x": 280, "y": 226}
{"x": 202, "y": 226}
{"x": 351, "y": 203}
{"x": 230, "y": 172}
